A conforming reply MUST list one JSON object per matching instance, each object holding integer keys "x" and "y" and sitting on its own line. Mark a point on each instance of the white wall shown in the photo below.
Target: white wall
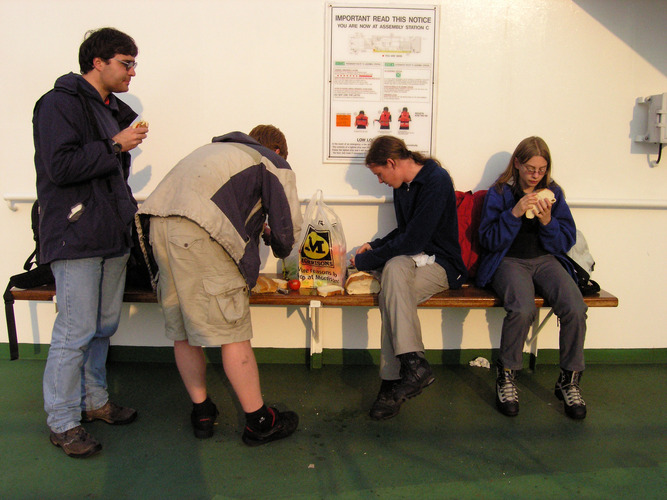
{"x": 569, "y": 71}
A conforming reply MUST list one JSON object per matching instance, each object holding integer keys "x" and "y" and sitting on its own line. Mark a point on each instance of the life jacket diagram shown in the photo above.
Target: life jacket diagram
{"x": 404, "y": 119}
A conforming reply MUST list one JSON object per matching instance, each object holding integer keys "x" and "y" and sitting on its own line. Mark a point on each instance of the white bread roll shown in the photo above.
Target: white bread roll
{"x": 265, "y": 285}
{"x": 361, "y": 283}
{"x": 327, "y": 290}
{"x": 280, "y": 283}
{"x": 541, "y": 194}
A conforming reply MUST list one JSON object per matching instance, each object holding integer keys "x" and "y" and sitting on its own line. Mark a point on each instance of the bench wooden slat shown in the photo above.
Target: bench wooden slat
{"x": 466, "y": 297}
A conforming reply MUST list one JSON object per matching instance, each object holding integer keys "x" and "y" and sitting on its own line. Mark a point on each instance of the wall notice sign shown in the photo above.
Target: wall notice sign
{"x": 381, "y": 67}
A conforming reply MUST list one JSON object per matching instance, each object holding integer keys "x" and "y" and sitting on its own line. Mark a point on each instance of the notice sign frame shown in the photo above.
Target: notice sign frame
{"x": 381, "y": 71}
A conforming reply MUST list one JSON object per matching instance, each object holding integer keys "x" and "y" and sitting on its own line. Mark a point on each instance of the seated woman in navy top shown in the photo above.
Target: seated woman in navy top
{"x": 527, "y": 255}
{"x": 419, "y": 258}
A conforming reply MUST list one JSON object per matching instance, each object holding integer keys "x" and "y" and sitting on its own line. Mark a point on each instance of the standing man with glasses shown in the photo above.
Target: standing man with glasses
{"x": 82, "y": 138}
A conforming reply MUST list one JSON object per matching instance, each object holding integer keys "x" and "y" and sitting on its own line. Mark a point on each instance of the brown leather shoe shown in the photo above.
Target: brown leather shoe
{"x": 111, "y": 413}
{"x": 76, "y": 442}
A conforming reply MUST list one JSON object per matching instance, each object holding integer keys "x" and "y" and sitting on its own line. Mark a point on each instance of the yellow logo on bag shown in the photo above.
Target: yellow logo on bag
{"x": 316, "y": 245}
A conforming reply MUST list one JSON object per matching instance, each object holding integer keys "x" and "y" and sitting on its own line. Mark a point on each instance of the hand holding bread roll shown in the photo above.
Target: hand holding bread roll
{"x": 541, "y": 195}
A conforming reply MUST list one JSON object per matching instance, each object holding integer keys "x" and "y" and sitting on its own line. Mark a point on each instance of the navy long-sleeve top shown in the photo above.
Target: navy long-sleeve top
{"x": 427, "y": 222}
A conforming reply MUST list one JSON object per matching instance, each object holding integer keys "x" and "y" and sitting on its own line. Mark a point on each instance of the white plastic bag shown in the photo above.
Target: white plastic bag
{"x": 322, "y": 249}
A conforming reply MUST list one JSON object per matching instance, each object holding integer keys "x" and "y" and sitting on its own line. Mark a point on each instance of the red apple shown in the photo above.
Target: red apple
{"x": 294, "y": 284}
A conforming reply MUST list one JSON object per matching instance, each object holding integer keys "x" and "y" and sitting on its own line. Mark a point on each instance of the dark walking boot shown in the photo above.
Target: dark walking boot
{"x": 386, "y": 405}
{"x": 507, "y": 394}
{"x": 416, "y": 374}
{"x": 568, "y": 391}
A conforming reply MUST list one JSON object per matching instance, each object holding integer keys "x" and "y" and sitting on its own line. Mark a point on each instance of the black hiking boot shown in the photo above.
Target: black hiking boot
{"x": 568, "y": 391}
{"x": 416, "y": 374}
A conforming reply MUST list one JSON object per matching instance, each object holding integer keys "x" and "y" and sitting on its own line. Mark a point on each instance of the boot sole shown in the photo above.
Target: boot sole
{"x": 203, "y": 434}
{"x": 87, "y": 420}
{"x": 388, "y": 415}
{"x": 92, "y": 451}
{"x": 505, "y": 411}
{"x": 419, "y": 391}
{"x": 570, "y": 413}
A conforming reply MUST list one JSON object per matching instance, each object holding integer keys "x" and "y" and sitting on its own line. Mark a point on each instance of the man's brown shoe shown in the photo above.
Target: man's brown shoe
{"x": 76, "y": 442}
{"x": 111, "y": 413}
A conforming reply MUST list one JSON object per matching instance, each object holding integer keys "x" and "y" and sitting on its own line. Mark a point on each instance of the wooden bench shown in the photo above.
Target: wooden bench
{"x": 468, "y": 296}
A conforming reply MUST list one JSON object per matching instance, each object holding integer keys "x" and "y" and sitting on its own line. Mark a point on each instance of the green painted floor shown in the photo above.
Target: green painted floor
{"x": 450, "y": 442}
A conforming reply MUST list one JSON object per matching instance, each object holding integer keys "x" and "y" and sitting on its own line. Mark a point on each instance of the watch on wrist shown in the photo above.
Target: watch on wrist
{"x": 117, "y": 147}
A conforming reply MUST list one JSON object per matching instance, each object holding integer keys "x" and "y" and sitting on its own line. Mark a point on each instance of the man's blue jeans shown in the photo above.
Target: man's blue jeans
{"x": 89, "y": 293}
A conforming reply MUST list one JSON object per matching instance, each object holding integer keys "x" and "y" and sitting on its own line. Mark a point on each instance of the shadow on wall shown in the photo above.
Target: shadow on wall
{"x": 492, "y": 170}
{"x": 642, "y": 28}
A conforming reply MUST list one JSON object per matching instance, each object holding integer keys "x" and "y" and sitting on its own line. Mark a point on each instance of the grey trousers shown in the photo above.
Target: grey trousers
{"x": 516, "y": 281}
{"x": 404, "y": 285}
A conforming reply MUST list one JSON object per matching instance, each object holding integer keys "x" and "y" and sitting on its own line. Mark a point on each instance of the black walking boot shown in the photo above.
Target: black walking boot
{"x": 568, "y": 391}
{"x": 416, "y": 374}
{"x": 507, "y": 394}
{"x": 386, "y": 405}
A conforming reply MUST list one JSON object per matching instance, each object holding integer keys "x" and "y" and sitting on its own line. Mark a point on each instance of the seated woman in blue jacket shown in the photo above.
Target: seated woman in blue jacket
{"x": 524, "y": 256}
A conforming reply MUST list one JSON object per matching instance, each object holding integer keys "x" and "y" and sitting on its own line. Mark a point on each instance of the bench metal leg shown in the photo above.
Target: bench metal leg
{"x": 315, "y": 337}
{"x": 11, "y": 324}
{"x": 532, "y": 340}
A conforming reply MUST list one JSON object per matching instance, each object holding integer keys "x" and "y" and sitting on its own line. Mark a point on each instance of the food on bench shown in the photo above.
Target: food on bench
{"x": 361, "y": 283}
{"x": 269, "y": 285}
{"x": 294, "y": 284}
{"x": 140, "y": 123}
{"x": 541, "y": 194}
{"x": 282, "y": 284}
{"x": 327, "y": 290}
{"x": 265, "y": 285}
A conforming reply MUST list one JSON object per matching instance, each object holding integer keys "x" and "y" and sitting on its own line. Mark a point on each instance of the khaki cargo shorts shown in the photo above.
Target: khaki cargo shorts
{"x": 203, "y": 295}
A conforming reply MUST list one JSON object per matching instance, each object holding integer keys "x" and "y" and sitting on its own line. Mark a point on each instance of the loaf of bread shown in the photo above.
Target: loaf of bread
{"x": 269, "y": 285}
{"x": 361, "y": 283}
{"x": 541, "y": 194}
{"x": 327, "y": 290}
{"x": 265, "y": 285}
{"x": 280, "y": 283}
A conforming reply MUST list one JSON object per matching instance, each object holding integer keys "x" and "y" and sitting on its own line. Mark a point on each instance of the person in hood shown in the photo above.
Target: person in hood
{"x": 82, "y": 139}
{"x": 206, "y": 218}
{"x": 418, "y": 259}
{"x": 523, "y": 255}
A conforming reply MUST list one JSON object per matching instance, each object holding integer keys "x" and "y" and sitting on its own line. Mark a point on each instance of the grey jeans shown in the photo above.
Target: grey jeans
{"x": 404, "y": 285}
{"x": 516, "y": 281}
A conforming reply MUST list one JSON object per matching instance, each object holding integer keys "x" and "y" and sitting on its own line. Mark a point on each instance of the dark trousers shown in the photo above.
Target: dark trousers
{"x": 516, "y": 281}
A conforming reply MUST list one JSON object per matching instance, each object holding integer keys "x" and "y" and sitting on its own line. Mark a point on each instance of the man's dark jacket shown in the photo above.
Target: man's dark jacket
{"x": 86, "y": 204}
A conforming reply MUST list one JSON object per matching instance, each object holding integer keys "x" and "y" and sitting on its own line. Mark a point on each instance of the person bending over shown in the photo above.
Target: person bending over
{"x": 206, "y": 217}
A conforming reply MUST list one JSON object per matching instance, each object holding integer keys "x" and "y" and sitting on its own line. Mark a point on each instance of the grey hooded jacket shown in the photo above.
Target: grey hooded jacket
{"x": 229, "y": 187}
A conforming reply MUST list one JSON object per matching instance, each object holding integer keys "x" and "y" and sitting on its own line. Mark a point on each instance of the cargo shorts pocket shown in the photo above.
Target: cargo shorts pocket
{"x": 183, "y": 245}
{"x": 228, "y": 300}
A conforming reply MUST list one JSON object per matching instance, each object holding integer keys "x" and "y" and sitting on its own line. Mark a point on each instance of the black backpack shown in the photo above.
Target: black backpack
{"x": 41, "y": 274}
{"x": 31, "y": 278}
